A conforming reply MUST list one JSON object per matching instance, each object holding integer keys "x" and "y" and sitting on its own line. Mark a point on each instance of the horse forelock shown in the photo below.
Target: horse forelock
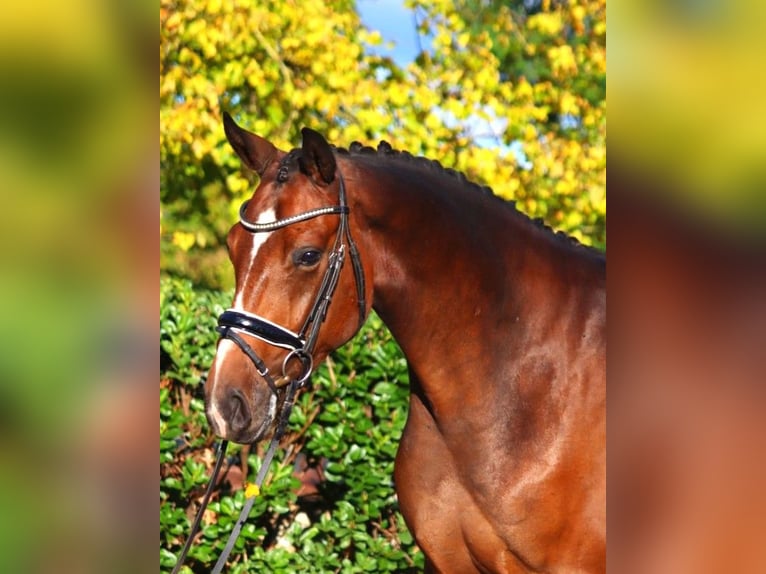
{"x": 289, "y": 163}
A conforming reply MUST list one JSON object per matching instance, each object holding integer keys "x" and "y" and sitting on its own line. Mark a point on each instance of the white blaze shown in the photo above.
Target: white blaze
{"x": 226, "y": 346}
{"x": 258, "y": 240}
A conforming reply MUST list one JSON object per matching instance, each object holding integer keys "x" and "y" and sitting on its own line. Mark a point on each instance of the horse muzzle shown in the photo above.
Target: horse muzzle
{"x": 239, "y": 415}
{"x": 240, "y": 407}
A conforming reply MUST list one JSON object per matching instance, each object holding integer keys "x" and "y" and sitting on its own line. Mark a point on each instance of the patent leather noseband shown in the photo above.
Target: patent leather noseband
{"x": 300, "y": 346}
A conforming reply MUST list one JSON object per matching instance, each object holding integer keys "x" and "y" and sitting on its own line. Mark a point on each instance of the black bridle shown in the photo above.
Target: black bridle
{"x": 301, "y": 344}
{"x": 233, "y": 323}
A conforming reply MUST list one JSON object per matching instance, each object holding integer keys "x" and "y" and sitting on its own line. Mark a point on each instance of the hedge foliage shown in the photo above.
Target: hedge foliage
{"x": 345, "y": 428}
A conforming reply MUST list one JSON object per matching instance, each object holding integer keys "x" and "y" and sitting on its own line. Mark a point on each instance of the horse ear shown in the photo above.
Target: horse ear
{"x": 318, "y": 158}
{"x": 256, "y": 152}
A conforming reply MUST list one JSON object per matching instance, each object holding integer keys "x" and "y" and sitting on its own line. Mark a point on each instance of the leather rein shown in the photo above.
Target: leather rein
{"x": 233, "y": 323}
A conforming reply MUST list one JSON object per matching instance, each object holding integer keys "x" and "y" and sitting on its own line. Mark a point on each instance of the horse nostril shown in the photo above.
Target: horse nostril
{"x": 238, "y": 414}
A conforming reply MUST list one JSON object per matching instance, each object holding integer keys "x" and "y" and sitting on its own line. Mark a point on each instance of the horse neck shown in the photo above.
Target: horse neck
{"x": 454, "y": 269}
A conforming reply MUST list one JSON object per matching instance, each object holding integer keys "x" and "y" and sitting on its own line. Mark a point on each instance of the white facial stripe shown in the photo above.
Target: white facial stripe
{"x": 218, "y": 420}
{"x": 258, "y": 240}
{"x": 226, "y": 347}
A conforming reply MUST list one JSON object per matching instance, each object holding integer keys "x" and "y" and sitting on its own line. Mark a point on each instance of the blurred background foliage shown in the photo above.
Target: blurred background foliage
{"x": 512, "y": 94}
{"x": 691, "y": 106}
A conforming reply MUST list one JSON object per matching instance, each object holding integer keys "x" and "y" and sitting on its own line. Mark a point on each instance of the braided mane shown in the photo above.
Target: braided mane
{"x": 385, "y": 150}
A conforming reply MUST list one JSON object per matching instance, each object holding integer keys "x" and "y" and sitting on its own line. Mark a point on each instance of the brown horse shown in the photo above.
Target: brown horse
{"x": 501, "y": 466}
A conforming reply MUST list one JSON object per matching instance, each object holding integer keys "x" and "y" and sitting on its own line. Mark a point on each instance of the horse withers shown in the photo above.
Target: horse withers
{"x": 501, "y": 465}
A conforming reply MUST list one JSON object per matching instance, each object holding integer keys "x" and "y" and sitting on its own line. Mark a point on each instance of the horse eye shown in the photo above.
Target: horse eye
{"x": 307, "y": 257}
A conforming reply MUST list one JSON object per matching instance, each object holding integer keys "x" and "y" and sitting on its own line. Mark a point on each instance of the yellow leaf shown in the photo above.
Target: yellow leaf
{"x": 398, "y": 94}
{"x": 548, "y": 23}
{"x": 432, "y": 122}
{"x": 568, "y": 104}
{"x": 562, "y": 60}
{"x": 183, "y": 240}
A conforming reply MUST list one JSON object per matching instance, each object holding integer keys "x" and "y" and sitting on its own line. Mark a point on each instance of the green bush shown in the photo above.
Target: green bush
{"x": 349, "y": 422}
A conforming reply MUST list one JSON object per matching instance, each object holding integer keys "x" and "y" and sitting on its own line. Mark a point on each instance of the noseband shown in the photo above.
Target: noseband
{"x": 299, "y": 345}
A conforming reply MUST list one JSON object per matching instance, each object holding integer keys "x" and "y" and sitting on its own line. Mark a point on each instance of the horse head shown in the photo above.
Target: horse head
{"x": 295, "y": 300}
